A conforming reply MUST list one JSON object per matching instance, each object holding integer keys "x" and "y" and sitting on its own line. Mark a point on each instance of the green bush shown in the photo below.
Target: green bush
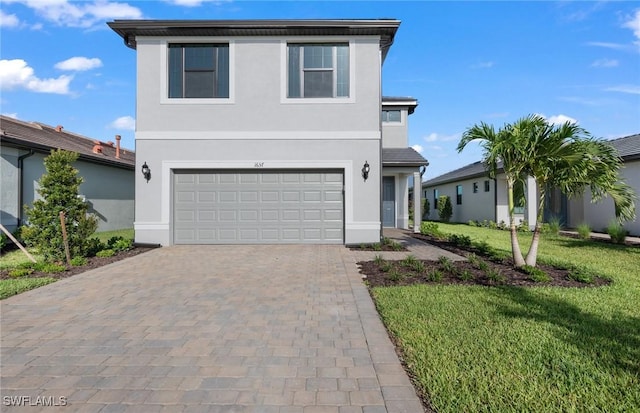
{"x": 78, "y": 261}
{"x": 119, "y": 244}
{"x": 435, "y": 275}
{"x": 616, "y": 232}
{"x": 445, "y": 208}
{"x": 3, "y": 240}
{"x": 465, "y": 275}
{"x": 460, "y": 240}
{"x": 378, "y": 259}
{"x": 472, "y": 223}
{"x": 106, "y": 253}
{"x": 426, "y": 208}
{"x": 496, "y": 276}
{"x": 581, "y": 274}
{"x": 50, "y": 267}
{"x": 536, "y": 274}
{"x": 92, "y": 246}
{"x": 59, "y": 189}
{"x": 554, "y": 226}
{"x": 584, "y": 231}
{"x": 431, "y": 228}
{"x": 395, "y": 275}
{"x": 20, "y": 272}
{"x": 524, "y": 226}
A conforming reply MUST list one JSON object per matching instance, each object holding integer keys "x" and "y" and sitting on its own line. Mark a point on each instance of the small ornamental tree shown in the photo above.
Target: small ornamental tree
{"x": 59, "y": 188}
{"x": 445, "y": 209}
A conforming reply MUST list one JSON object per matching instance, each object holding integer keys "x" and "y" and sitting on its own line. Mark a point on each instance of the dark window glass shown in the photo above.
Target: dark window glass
{"x": 459, "y": 194}
{"x": 475, "y": 187}
{"x": 318, "y": 70}
{"x": 487, "y": 186}
{"x": 198, "y": 70}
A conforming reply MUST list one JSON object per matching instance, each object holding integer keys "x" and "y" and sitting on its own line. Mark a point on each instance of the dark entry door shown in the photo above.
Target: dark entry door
{"x": 388, "y": 201}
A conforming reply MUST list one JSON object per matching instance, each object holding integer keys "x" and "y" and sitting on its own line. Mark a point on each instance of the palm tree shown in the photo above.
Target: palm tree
{"x": 564, "y": 157}
{"x": 503, "y": 147}
{"x": 568, "y": 158}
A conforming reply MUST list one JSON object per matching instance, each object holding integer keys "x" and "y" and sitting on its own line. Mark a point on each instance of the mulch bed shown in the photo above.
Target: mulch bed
{"x": 509, "y": 276}
{"x": 92, "y": 263}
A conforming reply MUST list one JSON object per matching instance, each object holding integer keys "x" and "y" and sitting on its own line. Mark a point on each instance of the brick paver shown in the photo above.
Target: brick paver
{"x": 204, "y": 328}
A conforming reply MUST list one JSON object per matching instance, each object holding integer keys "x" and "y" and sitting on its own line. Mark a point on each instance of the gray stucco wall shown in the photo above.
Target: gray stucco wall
{"x": 395, "y": 134}
{"x": 475, "y": 206}
{"x": 258, "y": 127}
{"x": 9, "y": 187}
{"x": 599, "y": 215}
{"x": 109, "y": 191}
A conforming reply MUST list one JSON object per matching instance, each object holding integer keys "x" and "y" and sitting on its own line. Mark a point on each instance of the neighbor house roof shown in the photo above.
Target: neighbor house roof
{"x": 385, "y": 28}
{"x": 628, "y": 148}
{"x": 402, "y": 157}
{"x": 43, "y": 138}
{"x": 476, "y": 169}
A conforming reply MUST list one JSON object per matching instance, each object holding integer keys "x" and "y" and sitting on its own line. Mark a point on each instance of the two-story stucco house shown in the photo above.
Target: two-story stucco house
{"x": 266, "y": 131}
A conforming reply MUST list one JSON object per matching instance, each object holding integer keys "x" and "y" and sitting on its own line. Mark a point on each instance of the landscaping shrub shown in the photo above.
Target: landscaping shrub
{"x": 435, "y": 275}
{"x": 78, "y": 261}
{"x": 119, "y": 244}
{"x": 616, "y": 232}
{"x": 581, "y": 274}
{"x": 553, "y": 226}
{"x": 460, "y": 240}
{"x": 431, "y": 228}
{"x": 536, "y": 274}
{"x": 20, "y": 272}
{"x": 92, "y": 246}
{"x": 426, "y": 208}
{"x": 445, "y": 208}
{"x": 584, "y": 231}
{"x": 106, "y": 253}
{"x": 59, "y": 189}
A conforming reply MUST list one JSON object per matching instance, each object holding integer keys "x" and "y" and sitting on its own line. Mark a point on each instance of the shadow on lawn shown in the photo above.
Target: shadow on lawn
{"x": 613, "y": 344}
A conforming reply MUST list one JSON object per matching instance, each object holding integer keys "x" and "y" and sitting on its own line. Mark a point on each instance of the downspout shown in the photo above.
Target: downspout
{"x": 21, "y": 159}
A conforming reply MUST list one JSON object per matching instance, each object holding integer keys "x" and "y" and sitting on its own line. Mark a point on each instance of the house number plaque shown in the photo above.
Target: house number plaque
{"x": 258, "y": 165}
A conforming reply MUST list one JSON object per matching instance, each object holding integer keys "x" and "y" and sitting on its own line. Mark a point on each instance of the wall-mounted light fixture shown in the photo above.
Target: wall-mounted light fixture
{"x": 365, "y": 170}
{"x": 146, "y": 171}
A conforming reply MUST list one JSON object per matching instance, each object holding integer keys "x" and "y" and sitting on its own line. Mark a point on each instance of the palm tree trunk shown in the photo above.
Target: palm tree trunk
{"x": 518, "y": 260}
{"x": 532, "y": 255}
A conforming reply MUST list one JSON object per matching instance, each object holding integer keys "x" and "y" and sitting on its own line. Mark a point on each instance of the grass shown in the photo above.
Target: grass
{"x": 512, "y": 349}
{"x": 19, "y": 285}
{"x": 14, "y": 259}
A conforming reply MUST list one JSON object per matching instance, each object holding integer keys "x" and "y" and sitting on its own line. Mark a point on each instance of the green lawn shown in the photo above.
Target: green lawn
{"x": 509, "y": 349}
{"x": 14, "y": 258}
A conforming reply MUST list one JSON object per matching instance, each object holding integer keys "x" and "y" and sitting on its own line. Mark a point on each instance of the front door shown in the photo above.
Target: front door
{"x": 388, "y": 201}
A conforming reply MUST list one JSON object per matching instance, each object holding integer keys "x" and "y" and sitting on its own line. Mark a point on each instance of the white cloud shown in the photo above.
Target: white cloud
{"x": 614, "y": 46}
{"x": 79, "y": 64}
{"x": 435, "y": 137}
{"x": 8, "y": 20}
{"x": 195, "y": 3}
{"x": 605, "y": 63}
{"x": 632, "y": 89}
{"x": 11, "y": 115}
{"x": 124, "y": 122}
{"x": 82, "y": 14}
{"x": 418, "y": 148}
{"x": 16, "y": 74}
{"x": 634, "y": 24}
{"x": 560, "y": 119}
{"x": 436, "y": 147}
{"x": 483, "y": 65}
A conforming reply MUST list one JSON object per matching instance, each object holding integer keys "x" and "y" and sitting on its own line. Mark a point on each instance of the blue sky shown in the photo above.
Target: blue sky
{"x": 465, "y": 62}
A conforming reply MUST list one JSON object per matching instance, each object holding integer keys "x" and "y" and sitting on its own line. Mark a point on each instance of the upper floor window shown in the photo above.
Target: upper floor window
{"x": 459, "y": 194}
{"x": 198, "y": 70}
{"x": 475, "y": 187}
{"x": 391, "y": 116}
{"x": 487, "y": 186}
{"x": 318, "y": 70}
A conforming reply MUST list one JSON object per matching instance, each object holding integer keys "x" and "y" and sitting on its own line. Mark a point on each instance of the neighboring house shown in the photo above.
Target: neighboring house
{"x": 267, "y": 131}
{"x": 106, "y": 169}
{"x": 598, "y": 215}
{"x": 476, "y": 197}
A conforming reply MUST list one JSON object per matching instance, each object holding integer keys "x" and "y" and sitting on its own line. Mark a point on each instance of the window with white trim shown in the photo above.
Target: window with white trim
{"x": 318, "y": 70}
{"x": 198, "y": 70}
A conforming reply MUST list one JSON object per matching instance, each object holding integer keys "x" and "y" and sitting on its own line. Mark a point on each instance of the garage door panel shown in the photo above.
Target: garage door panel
{"x": 218, "y": 207}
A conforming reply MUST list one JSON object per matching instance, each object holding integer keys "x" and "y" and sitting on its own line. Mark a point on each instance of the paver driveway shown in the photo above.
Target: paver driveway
{"x": 204, "y": 329}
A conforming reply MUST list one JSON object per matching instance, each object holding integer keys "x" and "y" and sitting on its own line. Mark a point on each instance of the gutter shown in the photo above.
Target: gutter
{"x": 21, "y": 159}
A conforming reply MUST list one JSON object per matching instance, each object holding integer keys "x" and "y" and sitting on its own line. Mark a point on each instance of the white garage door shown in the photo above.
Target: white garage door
{"x": 270, "y": 207}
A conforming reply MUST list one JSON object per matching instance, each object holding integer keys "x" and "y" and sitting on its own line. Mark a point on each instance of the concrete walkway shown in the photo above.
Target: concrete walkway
{"x": 205, "y": 329}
